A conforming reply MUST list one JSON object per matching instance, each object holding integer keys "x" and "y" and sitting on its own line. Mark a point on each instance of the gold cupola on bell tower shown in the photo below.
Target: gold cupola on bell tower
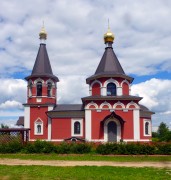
{"x": 108, "y": 36}
{"x": 43, "y": 33}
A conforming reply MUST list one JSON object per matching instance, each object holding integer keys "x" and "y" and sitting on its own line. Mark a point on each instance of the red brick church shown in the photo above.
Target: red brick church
{"x": 109, "y": 114}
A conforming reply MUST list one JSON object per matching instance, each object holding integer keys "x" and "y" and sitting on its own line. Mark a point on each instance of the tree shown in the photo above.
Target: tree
{"x": 163, "y": 129}
{"x": 4, "y": 126}
{"x": 163, "y": 132}
{"x": 154, "y": 134}
{"x": 168, "y": 137}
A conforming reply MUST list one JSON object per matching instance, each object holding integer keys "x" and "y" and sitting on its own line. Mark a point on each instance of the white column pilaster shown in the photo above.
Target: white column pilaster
{"x": 136, "y": 116}
{"x": 26, "y": 117}
{"x": 50, "y": 124}
{"x": 103, "y": 91}
{"x": 90, "y": 92}
{"x": 119, "y": 91}
{"x": 88, "y": 125}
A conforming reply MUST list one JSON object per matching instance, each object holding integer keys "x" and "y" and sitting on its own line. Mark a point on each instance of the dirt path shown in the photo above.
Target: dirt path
{"x": 83, "y": 163}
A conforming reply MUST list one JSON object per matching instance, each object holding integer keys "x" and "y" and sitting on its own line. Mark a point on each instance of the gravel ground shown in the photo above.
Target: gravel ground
{"x": 14, "y": 162}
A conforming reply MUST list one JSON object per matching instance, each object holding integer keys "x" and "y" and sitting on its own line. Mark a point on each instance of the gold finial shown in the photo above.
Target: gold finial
{"x": 108, "y": 24}
{"x": 108, "y": 36}
{"x": 43, "y": 33}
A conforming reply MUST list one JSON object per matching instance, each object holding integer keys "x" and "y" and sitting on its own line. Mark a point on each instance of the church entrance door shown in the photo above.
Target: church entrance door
{"x": 112, "y": 131}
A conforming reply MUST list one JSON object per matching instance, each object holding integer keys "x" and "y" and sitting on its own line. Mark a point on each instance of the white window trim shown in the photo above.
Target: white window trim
{"x": 149, "y": 130}
{"x": 51, "y": 90}
{"x": 111, "y": 80}
{"x": 37, "y": 122}
{"x": 37, "y": 80}
{"x": 125, "y": 81}
{"x": 105, "y": 104}
{"x": 118, "y": 87}
{"x": 94, "y": 82}
{"x": 119, "y": 104}
{"x": 36, "y": 89}
{"x": 90, "y": 104}
{"x": 50, "y": 80}
{"x": 132, "y": 103}
{"x": 72, "y": 127}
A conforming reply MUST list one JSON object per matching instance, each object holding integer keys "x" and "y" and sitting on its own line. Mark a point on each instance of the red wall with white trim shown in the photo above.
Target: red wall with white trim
{"x": 142, "y": 129}
{"x": 35, "y": 113}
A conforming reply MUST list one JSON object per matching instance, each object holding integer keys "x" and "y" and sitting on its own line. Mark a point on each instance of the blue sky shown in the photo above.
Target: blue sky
{"x": 75, "y": 46}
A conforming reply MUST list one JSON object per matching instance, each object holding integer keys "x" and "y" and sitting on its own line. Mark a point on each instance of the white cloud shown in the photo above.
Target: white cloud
{"x": 72, "y": 89}
{"x": 11, "y": 104}
{"x": 156, "y": 94}
{"x": 13, "y": 93}
{"x": 75, "y": 32}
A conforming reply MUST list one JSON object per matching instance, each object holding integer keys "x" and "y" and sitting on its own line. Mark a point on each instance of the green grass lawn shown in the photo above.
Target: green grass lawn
{"x": 86, "y": 172}
{"x": 86, "y": 157}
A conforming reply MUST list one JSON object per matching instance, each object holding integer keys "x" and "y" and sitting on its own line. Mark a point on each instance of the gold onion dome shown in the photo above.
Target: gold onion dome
{"x": 108, "y": 36}
{"x": 43, "y": 34}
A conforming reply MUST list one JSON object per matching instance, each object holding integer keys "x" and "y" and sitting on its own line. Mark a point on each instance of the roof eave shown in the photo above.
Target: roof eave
{"x": 42, "y": 75}
{"x": 97, "y": 76}
{"x": 108, "y": 98}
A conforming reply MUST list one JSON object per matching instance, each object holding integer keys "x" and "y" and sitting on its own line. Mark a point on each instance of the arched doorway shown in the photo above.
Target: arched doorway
{"x": 113, "y": 126}
{"x": 112, "y": 131}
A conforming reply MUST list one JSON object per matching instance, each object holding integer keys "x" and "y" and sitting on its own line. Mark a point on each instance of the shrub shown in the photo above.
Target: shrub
{"x": 137, "y": 148}
{"x": 75, "y": 148}
{"x": 164, "y": 149}
{"x": 151, "y": 149}
{"x": 80, "y": 148}
{"x": 132, "y": 149}
{"x": 11, "y": 147}
{"x": 101, "y": 149}
{"x": 108, "y": 148}
{"x": 63, "y": 148}
{"x": 39, "y": 147}
{"x": 28, "y": 148}
{"x": 129, "y": 149}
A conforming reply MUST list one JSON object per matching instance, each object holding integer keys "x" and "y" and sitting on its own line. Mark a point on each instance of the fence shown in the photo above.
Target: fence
{"x": 14, "y": 134}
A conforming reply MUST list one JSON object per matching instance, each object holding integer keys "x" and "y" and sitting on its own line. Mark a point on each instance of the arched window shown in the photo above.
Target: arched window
{"x": 30, "y": 85}
{"x": 39, "y": 88}
{"x": 77, "y": 127}
{"x": 49, "y": 89}
{"x": 111, "y": 89}
{"x": 147, "y": 128}
{"x": 39, "y": 129}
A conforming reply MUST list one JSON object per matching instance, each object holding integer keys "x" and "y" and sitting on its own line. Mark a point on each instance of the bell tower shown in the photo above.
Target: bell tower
{"x": 110, "y": 107}
{"x": 41, "y": 93}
